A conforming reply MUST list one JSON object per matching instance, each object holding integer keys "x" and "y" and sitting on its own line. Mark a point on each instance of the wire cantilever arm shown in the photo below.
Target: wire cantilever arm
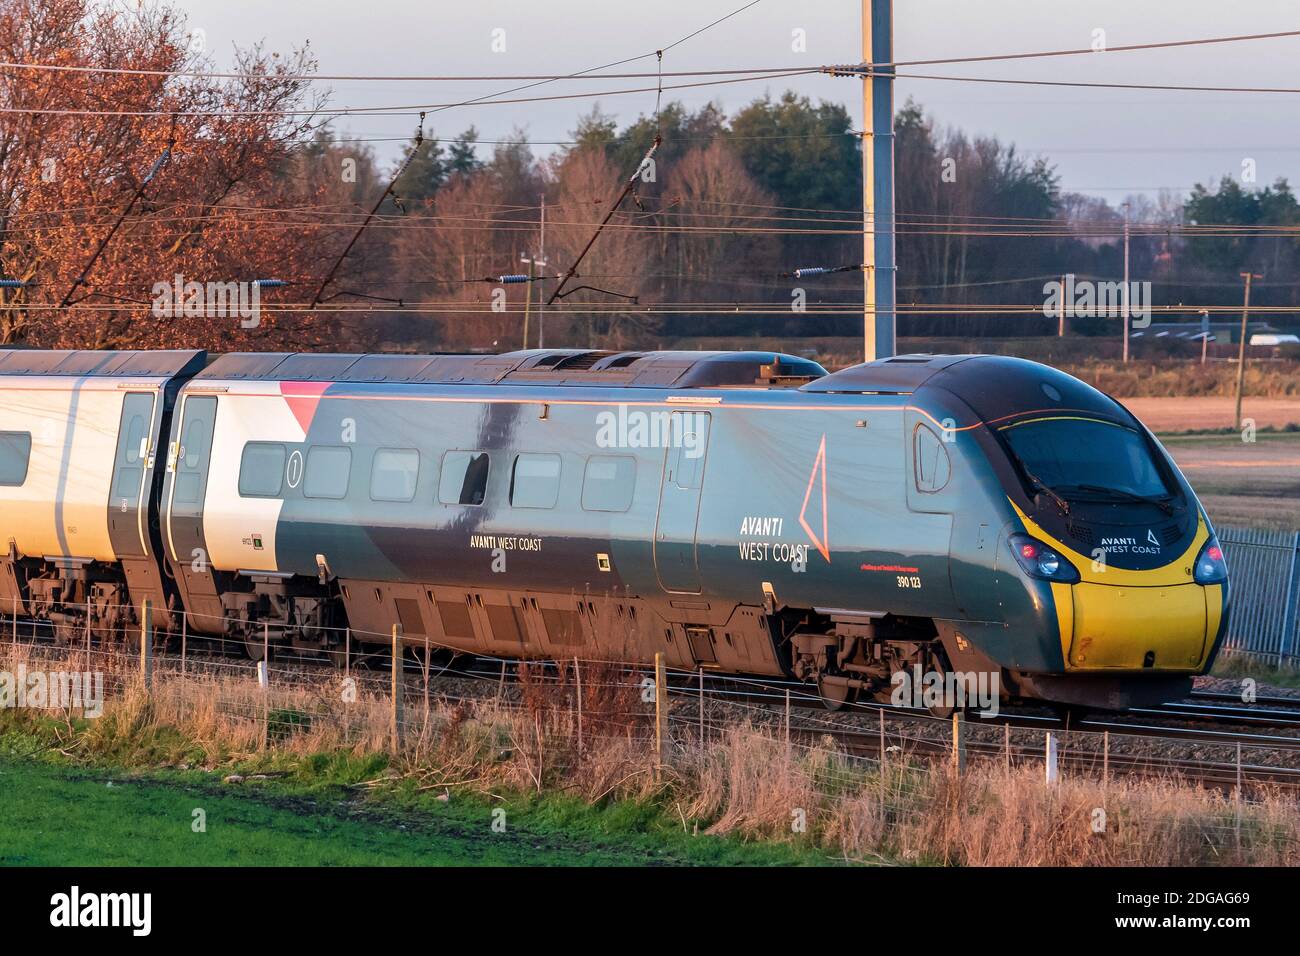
{"x": 627, "y": 188}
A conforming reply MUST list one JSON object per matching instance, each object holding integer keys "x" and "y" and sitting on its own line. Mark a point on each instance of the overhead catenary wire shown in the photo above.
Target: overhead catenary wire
{"x": 589, "y": 73}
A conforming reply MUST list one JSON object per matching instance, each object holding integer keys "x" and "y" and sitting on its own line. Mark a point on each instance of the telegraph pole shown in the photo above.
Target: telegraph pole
{"x": 879, "y": 301}
{"x": 541, "y": 299}
{"x": 1126, "y": 285}
{"x": 1241, "y": 352}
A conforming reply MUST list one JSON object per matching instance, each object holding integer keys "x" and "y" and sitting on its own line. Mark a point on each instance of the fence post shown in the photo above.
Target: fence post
{"x": 185, "y": 624}
{"x": 787, "y": 721}
{"x": 347, "y": 652}
{"x": 661, "y": 710}
{"x": 577, "y": 676}
{"x": 395, "y": 726}
{"x": 88, "y": 629}
{"x": 1006, "y": 745}
{"x": 1287, "y": 645}
{"x": 1053, "y": 773}
{"x": 958, "y": 741}
{"x": 146, "y": 646}
{"x": 701, "y": 706}
{"x": 1105, "y": 758}
{"x": 14, "y": 632}
{"x": 881, "y": 712}
{"x": 1236, "y": 797}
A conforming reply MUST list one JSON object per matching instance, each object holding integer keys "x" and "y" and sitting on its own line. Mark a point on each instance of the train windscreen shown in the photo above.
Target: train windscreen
{"x": 1068, "y": 454}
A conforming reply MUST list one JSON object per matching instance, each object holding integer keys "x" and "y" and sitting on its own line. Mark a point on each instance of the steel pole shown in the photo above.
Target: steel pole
{"x": 879, "y": 302}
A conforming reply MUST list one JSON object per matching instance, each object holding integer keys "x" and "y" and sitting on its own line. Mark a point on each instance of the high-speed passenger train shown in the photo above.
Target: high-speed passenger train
{"x": 744, "y": 512}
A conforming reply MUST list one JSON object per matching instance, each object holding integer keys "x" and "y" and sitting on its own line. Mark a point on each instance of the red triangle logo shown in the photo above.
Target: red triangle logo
{"x": 823, "y": 543}
{"x": 302, "y": 398}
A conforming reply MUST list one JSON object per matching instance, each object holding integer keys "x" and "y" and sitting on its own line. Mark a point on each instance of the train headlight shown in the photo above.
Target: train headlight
{"x": 1040, "y": 561}
{"x": 1211, "y": 568}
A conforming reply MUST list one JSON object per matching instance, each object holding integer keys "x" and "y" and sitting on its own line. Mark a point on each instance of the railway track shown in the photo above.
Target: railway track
{"x": 1207, "y": 719}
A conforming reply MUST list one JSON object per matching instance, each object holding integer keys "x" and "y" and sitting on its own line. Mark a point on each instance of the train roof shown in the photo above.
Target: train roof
{"x": 106, "y": 364}
{"x": 996, "y": 387}
{"x": 530, "y": 367}
{"x": 899, "y": 374}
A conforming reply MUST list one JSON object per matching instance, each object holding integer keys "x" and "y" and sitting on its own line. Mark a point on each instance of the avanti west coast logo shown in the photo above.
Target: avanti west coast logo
{"x": 53, "y": 690}
{"x": 1087, "y": 299}
{"x": 214, "y": 300}
{"x": 634, "y": 428}
{"x": 77, "y": 909}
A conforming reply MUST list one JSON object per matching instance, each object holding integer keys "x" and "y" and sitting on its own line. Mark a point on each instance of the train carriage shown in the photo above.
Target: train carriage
{"x": 745, "y": 512}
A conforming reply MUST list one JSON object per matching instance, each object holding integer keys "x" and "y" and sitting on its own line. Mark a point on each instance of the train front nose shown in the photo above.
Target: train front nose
{"x": 1127, "y": 627}
{"x": 1166, "y": 617}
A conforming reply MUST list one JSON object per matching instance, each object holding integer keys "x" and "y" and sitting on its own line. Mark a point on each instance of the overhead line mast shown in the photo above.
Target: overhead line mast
{"x": 879, "y": 273}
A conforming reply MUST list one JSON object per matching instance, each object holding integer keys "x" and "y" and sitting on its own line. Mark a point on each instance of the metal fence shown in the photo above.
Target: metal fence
{"x": 1264, "y": 570}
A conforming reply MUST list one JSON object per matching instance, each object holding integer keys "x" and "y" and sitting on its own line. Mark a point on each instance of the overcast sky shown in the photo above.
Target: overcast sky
{"x": 1103, "y": 142}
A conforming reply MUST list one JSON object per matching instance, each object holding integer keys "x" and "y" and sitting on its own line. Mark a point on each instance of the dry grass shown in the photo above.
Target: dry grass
{"x": 742, "y": 780}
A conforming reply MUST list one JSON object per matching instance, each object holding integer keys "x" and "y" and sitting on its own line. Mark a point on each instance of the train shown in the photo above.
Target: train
{"x": 738, "y": 512}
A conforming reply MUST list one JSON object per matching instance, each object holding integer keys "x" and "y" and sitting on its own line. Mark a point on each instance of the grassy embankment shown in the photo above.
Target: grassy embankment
{"x": 335, "y": 794}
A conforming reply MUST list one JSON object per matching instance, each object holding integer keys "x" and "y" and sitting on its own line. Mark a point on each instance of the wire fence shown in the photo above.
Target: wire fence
{"x": 744, "y": 752}
{"x": 1264, "y": 574}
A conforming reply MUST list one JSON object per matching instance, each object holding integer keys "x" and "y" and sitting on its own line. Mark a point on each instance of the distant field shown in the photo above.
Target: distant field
{"x": 1254, "y": 484}
{"x": 1212, "y": 411}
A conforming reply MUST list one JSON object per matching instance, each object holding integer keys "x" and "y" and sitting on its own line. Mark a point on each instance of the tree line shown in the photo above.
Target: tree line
{"x": 215, "y": 179}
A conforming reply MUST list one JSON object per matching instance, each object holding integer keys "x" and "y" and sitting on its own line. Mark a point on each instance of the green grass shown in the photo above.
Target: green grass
{"x": 57, "y": 814}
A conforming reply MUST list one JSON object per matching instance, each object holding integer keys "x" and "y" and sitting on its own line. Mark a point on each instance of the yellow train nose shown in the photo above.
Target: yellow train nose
{"x": 1137, "y": 628}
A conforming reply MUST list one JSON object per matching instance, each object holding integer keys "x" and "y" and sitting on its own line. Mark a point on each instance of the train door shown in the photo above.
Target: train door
{"x": 676, "y": 558}
{"x": 127, "y": 502}
{"x": 933, "y": 488}
{"x": 188, "y": 464}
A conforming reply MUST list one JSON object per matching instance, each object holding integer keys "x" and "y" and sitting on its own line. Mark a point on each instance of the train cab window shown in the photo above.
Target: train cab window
{"x": 1086, "y": 457}
{"x": 933, "y": 466}
{"x": 329, "y": 468}
{"x": 393, "y": 474}
{"x": 15, "y": 453}
{"x": 464, "y": 478}
{"x": 535, "y": 481}
{"x": 261, "y": 469}
{"x": 608, "y": 483}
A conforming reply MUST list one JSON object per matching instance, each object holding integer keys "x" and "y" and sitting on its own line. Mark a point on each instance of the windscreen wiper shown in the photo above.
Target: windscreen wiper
{"x": 1039, "y": 483}
{"x": 1161, "y": 503}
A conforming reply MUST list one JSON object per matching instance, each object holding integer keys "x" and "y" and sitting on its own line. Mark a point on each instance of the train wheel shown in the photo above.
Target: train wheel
{"x": 836, "y": 696}
{"x": 253, "y": 646}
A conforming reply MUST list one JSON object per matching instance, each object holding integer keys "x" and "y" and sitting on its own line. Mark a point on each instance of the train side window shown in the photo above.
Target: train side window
{"x": 394, "y": 473}
{"x": 464, "y": 478}
{"x": 196, "y": 438}
{"x": 261, "y": 469}
{"x": 132, "y": 447}
{"x": 933, "y": 466}
{"x": 329, "y": 468}
{"x": 688, "y": 448}
{"x": 608, "y": 483}
{"x": 535, "y": 481}
{"x": 15, "y": 453}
